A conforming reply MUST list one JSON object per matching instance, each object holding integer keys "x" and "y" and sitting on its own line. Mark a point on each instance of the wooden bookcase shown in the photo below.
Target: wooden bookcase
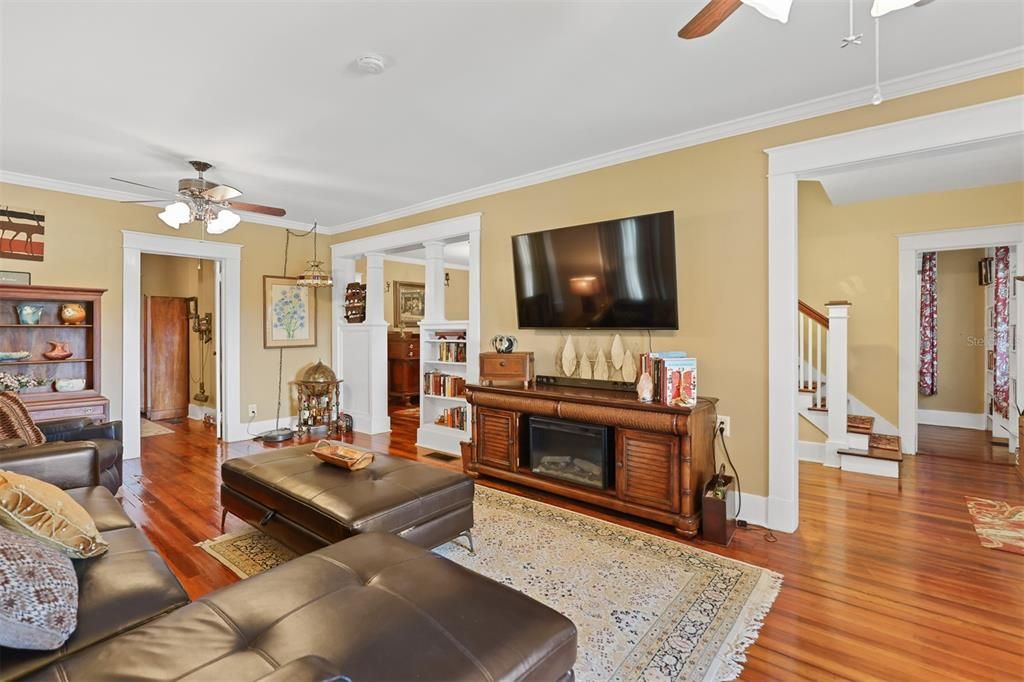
{"x": 46, "y": 403}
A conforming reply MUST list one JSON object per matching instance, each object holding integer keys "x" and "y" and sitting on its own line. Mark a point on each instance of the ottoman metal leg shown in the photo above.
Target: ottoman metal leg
{"x": 468, "y": 534}
{"x": 223, "y": 518}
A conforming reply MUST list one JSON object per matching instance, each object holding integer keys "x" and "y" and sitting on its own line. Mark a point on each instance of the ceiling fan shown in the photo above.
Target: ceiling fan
{"x": 201, "y": 199}
{"x": 717, "y": 11}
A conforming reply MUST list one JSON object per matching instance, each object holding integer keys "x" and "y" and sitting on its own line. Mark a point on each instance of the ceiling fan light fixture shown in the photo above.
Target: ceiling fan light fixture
{"x": 773, "y": 9}
{"x": 175, "y": 214}
{"x": 883, "y": 7}
{"x": 224, "y": 221}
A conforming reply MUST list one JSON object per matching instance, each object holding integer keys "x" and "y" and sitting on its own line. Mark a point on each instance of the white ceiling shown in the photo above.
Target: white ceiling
{"x": 477, "y": 92}
{"x": 978, "y": 165}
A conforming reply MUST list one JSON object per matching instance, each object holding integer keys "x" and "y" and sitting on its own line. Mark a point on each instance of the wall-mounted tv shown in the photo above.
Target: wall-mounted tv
{"x": 614, "y": 274}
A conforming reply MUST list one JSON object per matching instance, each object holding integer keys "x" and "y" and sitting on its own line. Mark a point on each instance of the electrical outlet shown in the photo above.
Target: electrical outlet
{"x": 724, "y": 421}
{"x": 252, "y": 409}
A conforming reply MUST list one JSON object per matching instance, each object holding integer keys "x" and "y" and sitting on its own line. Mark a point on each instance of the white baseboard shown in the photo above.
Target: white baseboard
{"x": 198, "y": 412}
{"x": 754, "y": 509}
{"x": 962, "y": 420}
{"x": 869, "y": 465}
{"x": 810, "y": 452}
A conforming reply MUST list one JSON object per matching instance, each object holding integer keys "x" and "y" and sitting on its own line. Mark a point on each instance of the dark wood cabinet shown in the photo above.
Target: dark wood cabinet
{"x": 403, "y": 366}
{"x": 82, "y": 338}
{"x": 647, "y": 468}
{"x": 515, "y": 367}
{"x": 662, "y": 455}
{"x": 496, "y": 432}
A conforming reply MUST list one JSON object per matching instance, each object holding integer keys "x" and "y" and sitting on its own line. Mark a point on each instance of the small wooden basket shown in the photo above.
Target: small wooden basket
{"x": 341, "y": 455}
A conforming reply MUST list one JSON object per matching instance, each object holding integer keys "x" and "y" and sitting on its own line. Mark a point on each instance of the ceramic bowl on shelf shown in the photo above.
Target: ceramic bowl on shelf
{"x": 14, "y": 355}
{"x": 29, "y": 313}
{"x": 72, "y": 313}
{"x": 69, "y": 385}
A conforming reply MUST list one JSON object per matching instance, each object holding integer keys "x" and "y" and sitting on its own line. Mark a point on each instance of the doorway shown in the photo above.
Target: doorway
{"x": 179, "y": 338}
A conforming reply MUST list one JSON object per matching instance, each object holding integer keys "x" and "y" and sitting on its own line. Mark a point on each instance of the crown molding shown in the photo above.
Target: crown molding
{"x": 952, "y": 74}
{"x": 53, "y": 185}
{"x": 422, "y": 261}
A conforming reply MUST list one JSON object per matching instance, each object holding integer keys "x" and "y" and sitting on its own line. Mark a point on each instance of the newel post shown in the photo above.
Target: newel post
{"x": 837, "y": 384}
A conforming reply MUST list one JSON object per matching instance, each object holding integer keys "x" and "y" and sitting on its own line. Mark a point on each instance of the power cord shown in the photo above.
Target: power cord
{"x": 740, "y": 523}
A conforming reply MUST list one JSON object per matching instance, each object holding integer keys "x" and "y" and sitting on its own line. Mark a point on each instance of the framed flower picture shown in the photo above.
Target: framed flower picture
{"x": 289, "y": 313}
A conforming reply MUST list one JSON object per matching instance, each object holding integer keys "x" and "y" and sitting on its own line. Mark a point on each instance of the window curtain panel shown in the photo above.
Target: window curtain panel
{"x": 1001, "y": 380}
{"x": 928, "y": 366}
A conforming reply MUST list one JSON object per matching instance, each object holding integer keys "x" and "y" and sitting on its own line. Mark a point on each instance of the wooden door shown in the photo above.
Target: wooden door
{"x": 497, "y": 438}
{"x": 647, "y": 468}
{"x": 166, "y": 357}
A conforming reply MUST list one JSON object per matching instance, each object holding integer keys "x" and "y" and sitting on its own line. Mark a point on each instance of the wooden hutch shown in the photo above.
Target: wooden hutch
{"x": 658, "y": 456}
{"x": 45, "y": 402}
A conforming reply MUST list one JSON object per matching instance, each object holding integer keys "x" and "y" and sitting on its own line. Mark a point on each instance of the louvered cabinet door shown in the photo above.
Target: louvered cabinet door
{"x": 497, "y": 432}
{"x": 647, "y": 469}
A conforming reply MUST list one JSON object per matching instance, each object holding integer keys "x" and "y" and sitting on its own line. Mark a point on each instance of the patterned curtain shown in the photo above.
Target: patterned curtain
{"x": 1001, "y": 381}
{"x": 928, "y": 372}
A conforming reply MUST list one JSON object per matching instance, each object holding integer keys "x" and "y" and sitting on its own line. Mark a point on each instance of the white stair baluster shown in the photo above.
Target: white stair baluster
{"x": 800, "y": 357}
{"x": 817, "y": 388}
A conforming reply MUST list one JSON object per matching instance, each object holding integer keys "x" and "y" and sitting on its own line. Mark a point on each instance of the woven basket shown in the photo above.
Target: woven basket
{"x": 339, "y": 454}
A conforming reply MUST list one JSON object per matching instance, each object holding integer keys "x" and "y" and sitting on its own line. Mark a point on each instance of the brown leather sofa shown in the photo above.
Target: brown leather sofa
{"x": 373, "y": 607}
{"x": 69, "y": 440}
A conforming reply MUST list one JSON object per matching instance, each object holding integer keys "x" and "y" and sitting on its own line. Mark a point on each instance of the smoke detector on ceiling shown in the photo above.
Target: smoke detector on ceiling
{"x": 370, "y": 64}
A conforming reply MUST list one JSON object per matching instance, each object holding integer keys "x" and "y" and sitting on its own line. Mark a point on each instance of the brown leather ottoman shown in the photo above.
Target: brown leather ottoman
{"x": 307, "y": 504}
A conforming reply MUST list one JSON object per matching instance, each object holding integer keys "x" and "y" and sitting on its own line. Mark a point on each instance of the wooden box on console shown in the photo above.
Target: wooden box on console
{"x": 663, "y": 455}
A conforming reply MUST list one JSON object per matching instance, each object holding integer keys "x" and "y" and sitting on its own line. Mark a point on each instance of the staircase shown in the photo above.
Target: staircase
{"x": 852, "y": 443}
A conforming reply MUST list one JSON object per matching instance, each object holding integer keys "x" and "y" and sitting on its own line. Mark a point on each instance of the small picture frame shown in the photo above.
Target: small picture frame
{"x": 289, "y": 313}
{"x": 409, "y": 304}
{"x": 15, "y": 278}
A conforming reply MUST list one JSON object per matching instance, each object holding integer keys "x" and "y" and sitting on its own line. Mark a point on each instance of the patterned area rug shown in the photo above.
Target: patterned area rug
{"x": 646, "y": 608}
{"x": 247, "y": 552}
{"x": 153, "y": 429}
{"x": 997, "y": 524}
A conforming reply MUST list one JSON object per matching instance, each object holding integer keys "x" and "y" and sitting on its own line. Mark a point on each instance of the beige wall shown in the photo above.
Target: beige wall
{"x": 186, "y": 277}
{"x": 718, "y": 191}
{"x": 456, "y": 294}
{"x": 960, "y": 325}
{"x": 83, "y": 248}
{"x": 850, "y": 252}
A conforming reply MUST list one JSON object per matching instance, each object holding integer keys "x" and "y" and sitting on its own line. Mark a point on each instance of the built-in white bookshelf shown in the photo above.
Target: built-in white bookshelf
{"x": 448, "y": 361}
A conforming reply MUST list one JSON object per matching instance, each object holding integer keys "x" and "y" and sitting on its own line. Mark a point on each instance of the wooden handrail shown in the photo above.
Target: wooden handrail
{"x": 814, "y": 314}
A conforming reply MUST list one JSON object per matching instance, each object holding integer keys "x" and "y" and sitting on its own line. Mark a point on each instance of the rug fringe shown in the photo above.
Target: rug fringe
{"x": 735, "y": 652}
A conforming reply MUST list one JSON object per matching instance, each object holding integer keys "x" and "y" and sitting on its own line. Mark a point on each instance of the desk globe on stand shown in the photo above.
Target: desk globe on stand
{"x": 319, "y": 400}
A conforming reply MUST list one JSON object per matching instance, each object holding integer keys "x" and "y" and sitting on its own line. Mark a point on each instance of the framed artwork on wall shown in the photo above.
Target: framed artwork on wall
{"x": 409, "y": 303}
{"x": 12, "y": 277}
{"x": 289, "y": 313}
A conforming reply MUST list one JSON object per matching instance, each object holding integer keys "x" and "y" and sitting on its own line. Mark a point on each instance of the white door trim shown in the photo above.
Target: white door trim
{"x": 804, "y": 160}
{"x": 230, "y": 258}
{"x": 910, "y": 245}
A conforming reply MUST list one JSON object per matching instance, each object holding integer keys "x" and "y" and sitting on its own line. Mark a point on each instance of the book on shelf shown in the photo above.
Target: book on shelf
{"x": 448, "y": 351}
{"x": 438, "y": 383}
{"x": 674, "y": 376}
{"x": 452, "y": 417}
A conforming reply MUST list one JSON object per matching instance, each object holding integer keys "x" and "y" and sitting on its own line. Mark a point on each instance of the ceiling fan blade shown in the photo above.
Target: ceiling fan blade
{"x": 221, "y": 193}
{"x": 708, "y": 19}
{"x": 139, "y": 184}
{"x": 256, "y": 208}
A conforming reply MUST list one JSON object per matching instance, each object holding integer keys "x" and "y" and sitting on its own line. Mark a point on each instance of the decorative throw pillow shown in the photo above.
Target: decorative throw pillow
{"x": 15, "y": 421}
{"x": 38, "y": 594}
{"x": 44, "y": 511}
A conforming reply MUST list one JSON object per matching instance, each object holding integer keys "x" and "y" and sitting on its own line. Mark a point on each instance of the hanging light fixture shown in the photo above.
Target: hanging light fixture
{"x": 175, "y": 214}
{"x": 314, "y": 276}
{"x": 224, "y": 221}
{"x": 773, "y": 9}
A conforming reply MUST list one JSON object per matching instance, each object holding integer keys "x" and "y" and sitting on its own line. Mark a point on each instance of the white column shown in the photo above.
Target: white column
{"x": 433, "y": 301}
{"x": 838, "y": 330}
{"x": 375, "y": 288}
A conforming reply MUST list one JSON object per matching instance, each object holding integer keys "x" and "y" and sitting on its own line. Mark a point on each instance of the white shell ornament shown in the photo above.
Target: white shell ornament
{"x": 601, "y": 366}
{"x": 569, "y": 357}
{"x": 628, "y": 368}
{"x": 586, "y": 369}
{"x": 618, "y": 351}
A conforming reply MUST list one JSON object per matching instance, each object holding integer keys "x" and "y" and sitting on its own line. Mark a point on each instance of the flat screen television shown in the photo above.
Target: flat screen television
{"x": 614, "y": 274}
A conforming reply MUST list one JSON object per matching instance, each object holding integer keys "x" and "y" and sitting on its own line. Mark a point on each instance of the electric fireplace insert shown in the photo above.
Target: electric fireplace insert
{"x": 573, "y": 452}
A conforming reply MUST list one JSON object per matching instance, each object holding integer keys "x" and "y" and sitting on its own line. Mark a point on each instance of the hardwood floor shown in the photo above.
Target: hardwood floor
{"x": 885, "y": 579}
{"x": 969, "y": 444}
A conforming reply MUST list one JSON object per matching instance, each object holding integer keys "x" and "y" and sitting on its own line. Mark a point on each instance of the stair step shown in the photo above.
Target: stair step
{"x": 883, "y": 441}
{"x": 874, "y": 453}
{"x": 811, "y": 388}
{"x": 818, "y": 408}
{"x": 858, "y": 423}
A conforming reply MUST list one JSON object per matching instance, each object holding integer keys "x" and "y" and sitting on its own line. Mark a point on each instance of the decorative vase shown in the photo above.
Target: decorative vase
{"x": 72, "y": 313}
{"x": 503, "y": 344}
{"x": 29, "y": 313}
{"x": 59, "y": 351}
{"x": 69, "y": 385}
{"x": 645, "y": 388}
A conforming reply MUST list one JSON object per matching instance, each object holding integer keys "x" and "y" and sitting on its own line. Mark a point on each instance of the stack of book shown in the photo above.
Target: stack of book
{"x": 436, "y": 383}
{"x": 452, "y": 417}
{"x": 674, "y": 376}
{"x": 451, "y": 351}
